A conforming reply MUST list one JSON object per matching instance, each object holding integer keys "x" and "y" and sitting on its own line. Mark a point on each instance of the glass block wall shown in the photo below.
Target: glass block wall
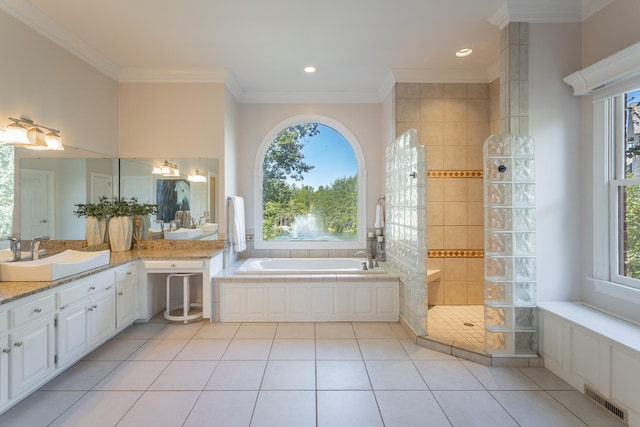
{"x": 406, "y": 225}
{"x": 510, "y": 245}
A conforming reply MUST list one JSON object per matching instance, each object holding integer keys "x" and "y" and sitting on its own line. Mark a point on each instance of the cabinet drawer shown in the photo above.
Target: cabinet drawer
{"x": 175, "y": 265}
{"x": 84, "y": 289}
{"x": 126, "y": 272}
{"x": 32, "y": 311}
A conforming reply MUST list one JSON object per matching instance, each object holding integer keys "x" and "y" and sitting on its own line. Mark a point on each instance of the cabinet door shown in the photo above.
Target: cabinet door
{"x": 4, "y": 369}
{"x": 32, "y": 356}
{"x": 73, "y": 333}
{"x": 102, "y": 316}
{"x": 125, "y": 303}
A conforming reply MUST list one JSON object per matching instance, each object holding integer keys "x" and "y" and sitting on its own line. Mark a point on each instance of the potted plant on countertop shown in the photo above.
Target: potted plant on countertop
{"x": 140, "y": 216}
{"x": 97, "y": 217}
{"x": 120, "y": 225}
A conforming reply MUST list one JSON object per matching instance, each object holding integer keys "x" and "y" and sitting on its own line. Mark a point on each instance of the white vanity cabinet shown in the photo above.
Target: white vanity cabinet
{"x": 5, "y": 350}
{"x": 126, "y": 308}
{"x": 31, "y": 344}
{"x": 87, "y": 316}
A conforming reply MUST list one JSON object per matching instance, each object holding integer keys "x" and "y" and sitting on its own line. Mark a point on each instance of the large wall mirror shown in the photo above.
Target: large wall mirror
{"x": 47, "y": 185}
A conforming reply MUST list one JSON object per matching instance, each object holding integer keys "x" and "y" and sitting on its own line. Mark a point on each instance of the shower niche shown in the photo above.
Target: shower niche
{"x": 510, "y": 245}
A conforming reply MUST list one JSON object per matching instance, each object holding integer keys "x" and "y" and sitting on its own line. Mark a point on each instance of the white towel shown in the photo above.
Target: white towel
{"x": 379, "y": 216}
{"x": 237, "y": 235}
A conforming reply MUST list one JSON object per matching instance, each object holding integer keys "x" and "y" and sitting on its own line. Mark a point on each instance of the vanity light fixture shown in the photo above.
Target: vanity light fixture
{"x": 310, "y": 69}
{"x": 464, "y": 52}
{"x": 25, "y": 133}
{"x": 167, "y": 169}
{"x": 197, "y": 177}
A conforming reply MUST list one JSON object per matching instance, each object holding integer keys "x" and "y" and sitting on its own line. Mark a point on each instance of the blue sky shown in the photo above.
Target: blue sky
{"x": 331, "y": 155}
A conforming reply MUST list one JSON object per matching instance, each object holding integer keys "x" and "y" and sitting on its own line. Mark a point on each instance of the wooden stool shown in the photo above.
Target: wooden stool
{"x": 186, "y": 302}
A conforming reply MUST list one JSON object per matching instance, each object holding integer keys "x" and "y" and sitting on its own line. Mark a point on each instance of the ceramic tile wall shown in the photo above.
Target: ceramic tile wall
{"x": 453, "y": 120}
{"x": 514, "y": 78}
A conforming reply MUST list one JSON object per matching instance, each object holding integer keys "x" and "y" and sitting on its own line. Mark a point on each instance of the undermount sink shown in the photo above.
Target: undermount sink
{"x": 183, "y": 234}
{"x": 53, "y": 267}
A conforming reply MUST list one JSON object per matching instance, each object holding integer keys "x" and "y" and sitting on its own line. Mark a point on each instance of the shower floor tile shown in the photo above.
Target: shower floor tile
{"x": 462, "y": 323}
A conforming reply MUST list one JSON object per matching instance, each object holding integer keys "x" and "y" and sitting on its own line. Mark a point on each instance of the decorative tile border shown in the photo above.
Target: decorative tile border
{"x": 455, "y": 253}
{"x": 454, "y": 174}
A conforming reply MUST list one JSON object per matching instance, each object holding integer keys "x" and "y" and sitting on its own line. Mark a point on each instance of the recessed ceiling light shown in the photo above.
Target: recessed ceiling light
{"x": 310, "y": 69}
{"x": 464, "y": 52}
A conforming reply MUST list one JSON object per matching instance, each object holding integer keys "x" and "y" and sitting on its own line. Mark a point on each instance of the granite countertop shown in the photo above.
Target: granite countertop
{"x": 148, "y": 250}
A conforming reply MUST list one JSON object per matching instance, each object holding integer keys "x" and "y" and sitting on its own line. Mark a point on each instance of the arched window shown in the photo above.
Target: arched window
{"x": 309, "y": 187}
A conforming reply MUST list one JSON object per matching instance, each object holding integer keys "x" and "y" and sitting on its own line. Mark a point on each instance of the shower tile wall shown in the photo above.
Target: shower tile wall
{"x": 453, "y": 120}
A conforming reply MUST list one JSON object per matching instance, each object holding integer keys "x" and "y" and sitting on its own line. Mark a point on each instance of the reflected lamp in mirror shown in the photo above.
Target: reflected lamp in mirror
{"x": 27, "y": 134}
{"x": 197, "y": 177}
{"x": 167, "y": 169}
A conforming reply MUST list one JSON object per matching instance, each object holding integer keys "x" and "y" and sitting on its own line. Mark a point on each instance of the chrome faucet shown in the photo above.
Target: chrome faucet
{"x": 15, "y": 248}
{"x": 176, "y": 223}
{"x": 370, "y": 263}
{"x": 35, "y": 246}
{"x": 161, "y": 222}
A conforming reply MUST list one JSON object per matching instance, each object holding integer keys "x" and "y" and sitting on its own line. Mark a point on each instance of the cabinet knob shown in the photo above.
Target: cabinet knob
{"x": 94, "y": 306}
{"x": 120, "y": 293}
{"x": 90, "y": 309}
{"x": 128, "y": 273}
{"x": 37, "y": 310}
{"x": 6, "y": 350}
{"x": 92, "y": 288}
{"x": 18, "y": 344}
{"x": 173, "y": 265}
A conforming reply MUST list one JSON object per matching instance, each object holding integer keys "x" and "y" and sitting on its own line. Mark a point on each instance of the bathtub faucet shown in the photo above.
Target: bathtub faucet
{"x": 369, "y": 259}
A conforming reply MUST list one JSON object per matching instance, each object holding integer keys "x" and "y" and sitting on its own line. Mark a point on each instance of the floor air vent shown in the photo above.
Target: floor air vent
{"x": 602, "y": 401}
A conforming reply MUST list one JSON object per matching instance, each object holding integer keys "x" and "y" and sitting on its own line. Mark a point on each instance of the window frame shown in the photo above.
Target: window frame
{"x": 360, "y": 241}
{"x": 608, "y": 135}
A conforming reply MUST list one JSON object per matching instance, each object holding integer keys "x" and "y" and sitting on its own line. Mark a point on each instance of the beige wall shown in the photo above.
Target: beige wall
{"x": 43, "y": 82}
{"x": 610, "y": 30}
{"x": 172, "y": 119}
{"x": 452, "y": 122}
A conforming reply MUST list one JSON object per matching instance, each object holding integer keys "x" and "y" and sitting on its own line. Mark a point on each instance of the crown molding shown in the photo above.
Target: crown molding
{"x": 546, "y": 11}
{"x": 619, "y": 66}
{"x": 41, "y": 23}
{"x": 441, "y": 76}
{"x": 591, "y": 7}
{"x": 323, "y": 97}
{"x": 146, "y": 75}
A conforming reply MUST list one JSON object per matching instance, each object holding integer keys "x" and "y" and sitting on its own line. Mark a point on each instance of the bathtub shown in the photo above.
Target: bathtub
{"x": 305, "y": 290}
{"x": 305, "y": 266}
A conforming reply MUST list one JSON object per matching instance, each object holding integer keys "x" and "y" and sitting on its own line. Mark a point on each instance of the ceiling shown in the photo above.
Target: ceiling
{"x": 260, "y": 47}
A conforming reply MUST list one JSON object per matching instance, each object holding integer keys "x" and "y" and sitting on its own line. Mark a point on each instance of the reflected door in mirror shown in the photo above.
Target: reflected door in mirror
{"x": 36, "y": 203}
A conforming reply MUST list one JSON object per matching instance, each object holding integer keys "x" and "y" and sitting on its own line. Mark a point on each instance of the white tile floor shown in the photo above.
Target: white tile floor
{"x": 294, "y": 374}
{"x": 462, "y": 323}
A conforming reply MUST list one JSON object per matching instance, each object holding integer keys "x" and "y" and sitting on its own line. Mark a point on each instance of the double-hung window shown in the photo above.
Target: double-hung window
{"x": 624, "y": 189}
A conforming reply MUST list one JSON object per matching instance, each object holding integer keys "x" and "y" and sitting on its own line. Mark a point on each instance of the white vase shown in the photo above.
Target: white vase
{"x": 95, "y": 230}
{"x": 120, "y": 232}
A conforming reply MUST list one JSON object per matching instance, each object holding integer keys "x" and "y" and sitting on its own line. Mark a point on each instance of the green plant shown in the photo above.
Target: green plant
{"x": 99, "y": 210}
{"x": 119, "y": 206}
{"x": 140, "y": 209}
